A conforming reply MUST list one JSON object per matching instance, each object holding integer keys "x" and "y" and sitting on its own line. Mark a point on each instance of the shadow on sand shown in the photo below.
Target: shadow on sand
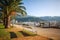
{"x": 13, "y": 35}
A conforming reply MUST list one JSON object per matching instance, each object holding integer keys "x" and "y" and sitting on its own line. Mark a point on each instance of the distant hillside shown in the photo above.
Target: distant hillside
{"x": 29, "y": 18}
{"x": 32, "y": 18}
{"x": 49, "y": 18}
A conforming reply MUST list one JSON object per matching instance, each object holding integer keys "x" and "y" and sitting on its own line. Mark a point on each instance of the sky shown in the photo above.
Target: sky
{"x": 42, "y": 7}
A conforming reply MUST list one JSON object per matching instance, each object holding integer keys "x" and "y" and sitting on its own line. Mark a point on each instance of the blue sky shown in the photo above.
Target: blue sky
{"x": 42, "y": 7}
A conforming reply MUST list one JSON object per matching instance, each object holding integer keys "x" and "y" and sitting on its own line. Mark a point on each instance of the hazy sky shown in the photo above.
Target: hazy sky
{"x": 42, "y": 7}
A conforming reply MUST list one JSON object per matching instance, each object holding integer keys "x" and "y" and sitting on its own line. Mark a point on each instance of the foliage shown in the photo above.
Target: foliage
{"x": 9, "y": 8}
{"x": 29, "y": 19}
{"x": 12, "y": 5}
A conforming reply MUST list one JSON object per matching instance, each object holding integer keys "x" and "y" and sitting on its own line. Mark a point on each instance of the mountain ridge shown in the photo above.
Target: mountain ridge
{"x": 33, "y": 18}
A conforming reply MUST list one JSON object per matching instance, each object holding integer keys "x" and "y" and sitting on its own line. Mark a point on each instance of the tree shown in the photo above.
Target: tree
{"x": 9, "y": 8}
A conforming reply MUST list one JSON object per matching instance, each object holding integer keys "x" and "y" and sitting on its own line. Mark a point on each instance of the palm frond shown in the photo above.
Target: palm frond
{"x": 23, "y": 12}
{"x": 13, "y": 5}
{"x": 21, "y": 3}
{"x": 22, "y": 7}
{"x": 1, "y": 3}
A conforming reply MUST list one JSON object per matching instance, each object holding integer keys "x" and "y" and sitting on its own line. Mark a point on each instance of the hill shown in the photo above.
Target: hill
{"x": 37, "y": 19}
{"x": 49, "y": 18}
{"x": 29, "y": 18}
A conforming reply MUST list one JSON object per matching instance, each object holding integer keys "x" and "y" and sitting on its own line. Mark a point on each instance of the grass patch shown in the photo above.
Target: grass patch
{"x": 4, "y": 34}
{"x": 28, "y": 33}
{"x": 1, "y": 26}
{"x": 19, "y": 34}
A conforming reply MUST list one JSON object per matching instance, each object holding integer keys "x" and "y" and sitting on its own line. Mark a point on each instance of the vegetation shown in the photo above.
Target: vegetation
{"x": 1, "y": 26}
{"x": 9, "y": 8}
{"x": 19, "y": 34}
{"x": 29, "y": 19}
{"x": 29, "y": 33}
{"x": 4, "y": 35}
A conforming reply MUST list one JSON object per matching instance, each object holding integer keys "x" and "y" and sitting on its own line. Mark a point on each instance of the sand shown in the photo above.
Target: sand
{"x": 49, "y": 32}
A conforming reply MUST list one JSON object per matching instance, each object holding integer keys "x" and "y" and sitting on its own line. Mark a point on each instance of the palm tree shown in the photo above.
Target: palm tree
{"x": 11, "y": 7}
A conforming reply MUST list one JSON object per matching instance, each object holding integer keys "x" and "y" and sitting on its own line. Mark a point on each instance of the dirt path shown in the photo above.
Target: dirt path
{"x": 19, "y": 28}
{"x": 32, "y": 38}
{"x": 49, "y": 32}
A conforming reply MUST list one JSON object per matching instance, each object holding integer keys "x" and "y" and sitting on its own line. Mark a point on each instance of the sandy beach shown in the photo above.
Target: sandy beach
{"x": 49, "y": 32}
{"x": 52, "y": 33}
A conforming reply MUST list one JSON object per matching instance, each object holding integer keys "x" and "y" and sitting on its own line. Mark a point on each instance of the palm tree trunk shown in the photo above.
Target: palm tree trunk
{"x": 6, "y": 19}
{"x": 7, "y": 22}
